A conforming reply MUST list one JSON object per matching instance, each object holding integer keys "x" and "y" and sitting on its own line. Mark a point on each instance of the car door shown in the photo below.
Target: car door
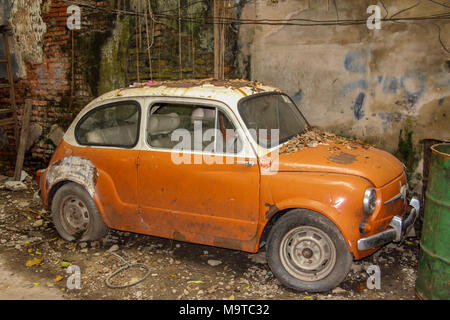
{"x": 191, "y": 187}
{"x": 108, "y": 135}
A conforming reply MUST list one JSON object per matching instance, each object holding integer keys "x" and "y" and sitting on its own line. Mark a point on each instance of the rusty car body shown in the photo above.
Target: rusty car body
{"x": 317, "y": 210}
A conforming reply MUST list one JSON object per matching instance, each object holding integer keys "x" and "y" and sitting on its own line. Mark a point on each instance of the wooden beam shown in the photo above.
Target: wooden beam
{"x": 7, "y": 121}
{"x": 221, "y": 11}
{"x": 12, "y": 92}
{"x": 217, "y": 42}
{"x": 23, "y": 139}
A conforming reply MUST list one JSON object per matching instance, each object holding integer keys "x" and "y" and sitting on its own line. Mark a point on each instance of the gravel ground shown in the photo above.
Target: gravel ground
{"x": 32, "y": 256}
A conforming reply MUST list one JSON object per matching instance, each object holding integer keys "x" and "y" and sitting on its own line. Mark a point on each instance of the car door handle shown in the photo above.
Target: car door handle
{"x": 246, "y": 163}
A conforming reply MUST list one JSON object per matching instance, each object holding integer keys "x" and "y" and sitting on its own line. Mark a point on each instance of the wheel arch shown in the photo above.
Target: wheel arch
{"x": 319, "y": 208}
{"x": 54, "y": 188}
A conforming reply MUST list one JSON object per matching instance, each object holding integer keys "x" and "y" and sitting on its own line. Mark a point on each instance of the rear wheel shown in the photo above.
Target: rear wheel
{"x": 75, "y": 215}
{"x": 307, "y": 252}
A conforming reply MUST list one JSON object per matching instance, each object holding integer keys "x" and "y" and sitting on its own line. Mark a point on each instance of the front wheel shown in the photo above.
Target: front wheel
{"x": 307, "y": 252}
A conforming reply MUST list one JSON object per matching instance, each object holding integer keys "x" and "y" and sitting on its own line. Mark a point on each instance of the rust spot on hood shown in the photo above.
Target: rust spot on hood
{"x": 342, "y": 158}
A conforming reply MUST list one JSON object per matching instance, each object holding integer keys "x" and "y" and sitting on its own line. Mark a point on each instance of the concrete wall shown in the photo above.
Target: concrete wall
{"x": 352, "y": 80}
{"x": 368, "y": 83}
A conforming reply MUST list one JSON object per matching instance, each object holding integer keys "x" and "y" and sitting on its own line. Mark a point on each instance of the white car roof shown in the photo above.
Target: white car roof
{"x": 227, "y": 91}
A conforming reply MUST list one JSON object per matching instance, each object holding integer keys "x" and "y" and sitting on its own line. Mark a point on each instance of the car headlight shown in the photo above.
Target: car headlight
{"x": 369, "y": 201}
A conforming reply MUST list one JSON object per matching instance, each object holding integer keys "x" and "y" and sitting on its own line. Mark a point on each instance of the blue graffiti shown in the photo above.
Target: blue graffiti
{"x": 390, "y": 117}
{"x": 390, "y": 85}
{"x": 358, "y": 110}
{"x": 413, "y": 97}
{"x": 356, "y": 62}
{"x": 297, "y": 97}
{"x": 358, "y": 84}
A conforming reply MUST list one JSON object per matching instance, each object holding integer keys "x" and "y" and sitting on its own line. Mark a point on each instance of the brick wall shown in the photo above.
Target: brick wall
{"x": 49, "y": 84}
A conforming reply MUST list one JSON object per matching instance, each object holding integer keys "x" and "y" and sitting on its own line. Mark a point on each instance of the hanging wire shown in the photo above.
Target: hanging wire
{"x": 417, "y": 22}
{"x": 387, "y": 12}
{"x": 180, "y": 61}
{"x": 291, "y": 21}
{"x": 302, "y": 22}
{"x": 406, "y": 9}
{"x": 441, "y": 4}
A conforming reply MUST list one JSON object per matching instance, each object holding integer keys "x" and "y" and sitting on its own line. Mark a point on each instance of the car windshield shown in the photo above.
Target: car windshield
{"x": 265, "y": 115}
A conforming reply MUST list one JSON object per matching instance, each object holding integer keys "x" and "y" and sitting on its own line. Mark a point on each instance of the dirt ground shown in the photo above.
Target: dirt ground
{"x": 34, "y": 264}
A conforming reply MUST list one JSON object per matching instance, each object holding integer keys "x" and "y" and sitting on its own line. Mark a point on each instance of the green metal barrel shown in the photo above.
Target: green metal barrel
{"x": 433, "y": 276}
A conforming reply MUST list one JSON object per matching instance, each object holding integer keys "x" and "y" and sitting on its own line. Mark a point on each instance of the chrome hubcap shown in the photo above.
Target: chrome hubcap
{"x": 307, "y": 253}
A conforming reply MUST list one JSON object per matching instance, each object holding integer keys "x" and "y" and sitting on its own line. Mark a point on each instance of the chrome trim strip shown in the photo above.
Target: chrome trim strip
{"x": 396, "y": 197}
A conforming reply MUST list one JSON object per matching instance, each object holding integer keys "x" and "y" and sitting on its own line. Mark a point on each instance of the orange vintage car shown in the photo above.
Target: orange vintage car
{"x": 217, "y": 163}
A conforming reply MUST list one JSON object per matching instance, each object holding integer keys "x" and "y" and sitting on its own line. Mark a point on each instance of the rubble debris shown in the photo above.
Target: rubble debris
{"x": 356, "y": 267}
{"x": 113, "y": 248}
{"x": 338, "y": 290}
{"x": 214, "y": 263}
{"x": 178, "y": 270}
{"x": 314, "y": 137}
{"x": 15, "y": 186}
{"x": 38, "y": 223}
{"x": 34, "y": 133}
{"x": 56, "y": 134}
{"x": 23, "y": 175}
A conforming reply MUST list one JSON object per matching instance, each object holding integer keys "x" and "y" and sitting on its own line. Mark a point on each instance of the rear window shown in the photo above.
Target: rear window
{"x": 114, "y": 125}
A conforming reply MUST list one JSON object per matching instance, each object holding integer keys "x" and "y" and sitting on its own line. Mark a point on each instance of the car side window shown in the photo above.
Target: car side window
{"x": 115, "y": 124}
{"x": 191, "y": 128}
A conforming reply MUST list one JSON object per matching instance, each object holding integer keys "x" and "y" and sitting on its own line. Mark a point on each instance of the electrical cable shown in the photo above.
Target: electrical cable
{"x": 294, "y": 21}
{"x": 406, "y": 9}
{"x": 441, "y": 4}
{"x": 125, "y": 266}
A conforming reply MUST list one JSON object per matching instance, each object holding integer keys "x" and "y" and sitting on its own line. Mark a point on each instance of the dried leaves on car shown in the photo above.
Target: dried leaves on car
{"x": 314, "y": 137}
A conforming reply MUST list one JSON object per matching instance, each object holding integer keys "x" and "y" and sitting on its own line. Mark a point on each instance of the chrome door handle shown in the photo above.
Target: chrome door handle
{"x": 246, "y": 163}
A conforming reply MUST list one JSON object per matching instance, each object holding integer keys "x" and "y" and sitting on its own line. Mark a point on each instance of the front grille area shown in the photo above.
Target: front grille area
{"x": 382, "y": 217}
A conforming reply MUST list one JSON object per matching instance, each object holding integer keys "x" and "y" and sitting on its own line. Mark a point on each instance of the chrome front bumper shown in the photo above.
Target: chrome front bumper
{"x": 399, "y": 227}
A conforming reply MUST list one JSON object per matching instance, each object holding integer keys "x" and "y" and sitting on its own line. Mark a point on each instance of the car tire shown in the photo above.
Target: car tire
{"x": 307, "y": 252}
{"x": 75, "y": 214}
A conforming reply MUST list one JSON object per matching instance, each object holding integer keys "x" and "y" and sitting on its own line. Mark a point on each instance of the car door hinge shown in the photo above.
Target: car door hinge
{"x": 137, "y": 162}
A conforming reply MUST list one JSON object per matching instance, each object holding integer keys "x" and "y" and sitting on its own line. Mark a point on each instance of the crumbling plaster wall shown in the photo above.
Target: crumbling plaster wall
{"x": 349, "y": 79}
{"x": 28, "y": 29}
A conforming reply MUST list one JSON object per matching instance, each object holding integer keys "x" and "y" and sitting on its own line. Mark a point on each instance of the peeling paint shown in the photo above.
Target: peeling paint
{"x": 75, "y": 169}
{"x": 28, "y": 29}
{"x": 271, "y": 211}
